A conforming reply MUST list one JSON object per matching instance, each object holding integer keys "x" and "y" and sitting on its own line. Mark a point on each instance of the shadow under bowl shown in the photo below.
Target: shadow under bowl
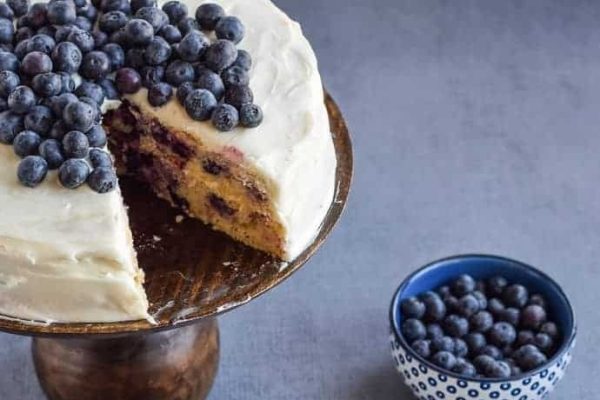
{"x": 429, "y": 382}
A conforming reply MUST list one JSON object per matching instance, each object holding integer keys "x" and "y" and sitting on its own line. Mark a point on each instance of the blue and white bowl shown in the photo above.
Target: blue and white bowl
{"x": 429, "y": 382}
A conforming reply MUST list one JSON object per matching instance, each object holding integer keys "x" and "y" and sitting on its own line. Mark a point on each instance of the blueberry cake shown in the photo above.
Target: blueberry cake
{"x": 216, "y": 105}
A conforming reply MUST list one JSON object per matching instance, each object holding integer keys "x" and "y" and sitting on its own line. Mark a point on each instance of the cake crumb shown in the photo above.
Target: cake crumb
{"x": 179, "y": 219}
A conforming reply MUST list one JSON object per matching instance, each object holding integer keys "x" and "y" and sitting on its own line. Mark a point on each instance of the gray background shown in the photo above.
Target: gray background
{"x": 475, "y": 126}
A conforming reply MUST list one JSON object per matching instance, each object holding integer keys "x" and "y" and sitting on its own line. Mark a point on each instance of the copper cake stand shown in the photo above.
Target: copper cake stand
{"x": 193, "y": 274}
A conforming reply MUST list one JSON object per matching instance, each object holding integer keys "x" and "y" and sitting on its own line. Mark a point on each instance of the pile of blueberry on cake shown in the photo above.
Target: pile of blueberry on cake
{"x": 60, "y": 61}
{"x": 489, "y": 329}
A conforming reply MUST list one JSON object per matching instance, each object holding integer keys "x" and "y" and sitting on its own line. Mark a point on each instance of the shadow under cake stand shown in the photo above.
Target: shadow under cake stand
{"x": 193, "y": 274}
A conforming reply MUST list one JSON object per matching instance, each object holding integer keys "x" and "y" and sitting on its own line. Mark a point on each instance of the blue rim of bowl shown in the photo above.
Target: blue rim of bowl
{"x": 394, "y": 323}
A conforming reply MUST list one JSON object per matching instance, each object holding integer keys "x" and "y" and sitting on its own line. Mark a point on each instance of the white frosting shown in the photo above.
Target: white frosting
{"x": 67, "y": 255}
{"x": 292, "y": 148}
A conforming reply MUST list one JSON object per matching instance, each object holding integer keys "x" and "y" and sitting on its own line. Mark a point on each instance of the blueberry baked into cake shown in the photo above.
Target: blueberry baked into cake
{"x": 217, "y": 106}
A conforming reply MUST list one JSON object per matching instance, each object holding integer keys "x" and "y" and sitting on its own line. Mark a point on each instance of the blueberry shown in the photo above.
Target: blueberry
{"x": 463, "y": 285}
{"x": 243, "y": 60}
{"x": 32, "y": 170}
{"x": 96, "y": 136}
{"x": 73, "y": 173}
{"x": 435, "y": 309}
{"x": 51, "y": 151}
{"x": 412, "y": 307}
{"x": 480, "y": 286}
{"x": 91, "y": 90}
{"x": 538, "y": 300}
{"x": 20, "y": 52}
{"x": 251, "y": 115}
{"x": 39, "y": 120}
{"x": 88, "y": 11}
{"x": 475, "y": 342}
{"x": 102, "y": 180}
{"x": 58, "y": 130}
{"x": 183, "y": 90}
{"x": 47, "y": 84}
{"x": 139, "y": 32}
{"x": 413, "y": 329}
{"x": 208, "y": 15}
{"x": 115, "y": 54}
{"x": 75, "y": 144}
{"x": 61, "y": 12}
{"x": 96, "y": 111}
{"x": 491, "y": 351}
{"x": 444, "y": 359}
{"x": 134, "y": 58}
{"x": 225, "y": 117}
{"x": 6, "y": 11}
{"x": 543, "y": 341}
{"x": 9, "y": 61}
{"x": 450, "y": 301}
{"x": 220, "y": 55}
{"x": 529, "y": 357}
{"x": 62, "y": 32}
{"x": 22, "y": 34}
{"x": 175, "y": 10}
{"x": 193, "y": 46}
{"x": 26, "y": 143}
{"x": 550, "y": 329}
{"x": 422, "y": 348}
{"x": 525, "y": 337}
{"x": 79, "y": 116}
{"x": 67, "y": 57}
{"x": 510, "y": 315}
{"x": 484, "y": 363}
{"x": 159, "y": 94}
{"x": 112, "y": 21}
{"x": 10, "y": 125}
{"x": 109, "y": 89}
{"x": 82, "y": 39}
{"x": 434, "y": 331}
{"x": 515, "y": 296}
{"x": 3, "y": 104}
{"x": 100, "y": 39}
{"x": 481, "y": 298}
{"x": 170, "y": 33}
{"x": 155, "y": 16}
{"x": 239, "y": 96}
{"x": 498, "y": 369}
{"x": 468, "y": 305}
{"x": 137, "y": 4}
{"x": 157, "y": 52}
{"x": 456, "y": 326}
{"x": 464, "y": 368}
{"x": 235, "y": 76}
{"x": 8, "y": 82}
{"x": 502, "y": 334}
{"x": 128, "y": 80}
{"x": 495, "y": 306}
{"x": 481, "y": 321}
{"x": 179, "y": 72}
{"x": 495, "y": 286}
{"x": 22, "y": 21}
{"x": 83, "y": 23}
{"x": 7, "y": 47}
{"x": 444, "y": 343}
{"x": 460, "y": 348}
{"x": 38, "y": 15}
{"x": 187, "y": 25}
{"x": 116, "y": 5}
{"x": 230, "y": 28}
{"x": 100, "y": 158}
{"x": 533, "y": 316}
{"x": 7, "y": 31}
{"x": 19, "y": 7}
{"x": 443, "y": 291}
{"x": 152, "y": 75}
{"x": 21, "y": 100}
{"x": 95, "y": 65}
{"x": 67, "y": 83}
{"x": 120, "y": 37}
{"x": 58, "y": 103}
{"x": 209, "y": 80}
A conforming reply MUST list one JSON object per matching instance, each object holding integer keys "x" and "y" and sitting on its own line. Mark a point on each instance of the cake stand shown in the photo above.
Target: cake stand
{"x": 193, "y": 274}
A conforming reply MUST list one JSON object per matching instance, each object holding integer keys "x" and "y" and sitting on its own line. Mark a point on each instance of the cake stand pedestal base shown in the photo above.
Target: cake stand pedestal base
{"x": 177, "y": 364}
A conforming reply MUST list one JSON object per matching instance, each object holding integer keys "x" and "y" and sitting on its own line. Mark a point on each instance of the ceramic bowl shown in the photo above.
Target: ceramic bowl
{"x": 429, "y": 382}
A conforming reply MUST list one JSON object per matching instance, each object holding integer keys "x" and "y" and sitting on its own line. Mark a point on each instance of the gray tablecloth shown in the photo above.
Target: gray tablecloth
{"x": 475, "y": 126}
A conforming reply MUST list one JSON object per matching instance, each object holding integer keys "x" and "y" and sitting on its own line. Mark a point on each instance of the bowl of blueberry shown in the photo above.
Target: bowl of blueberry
{"x": 481, "y": 327}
